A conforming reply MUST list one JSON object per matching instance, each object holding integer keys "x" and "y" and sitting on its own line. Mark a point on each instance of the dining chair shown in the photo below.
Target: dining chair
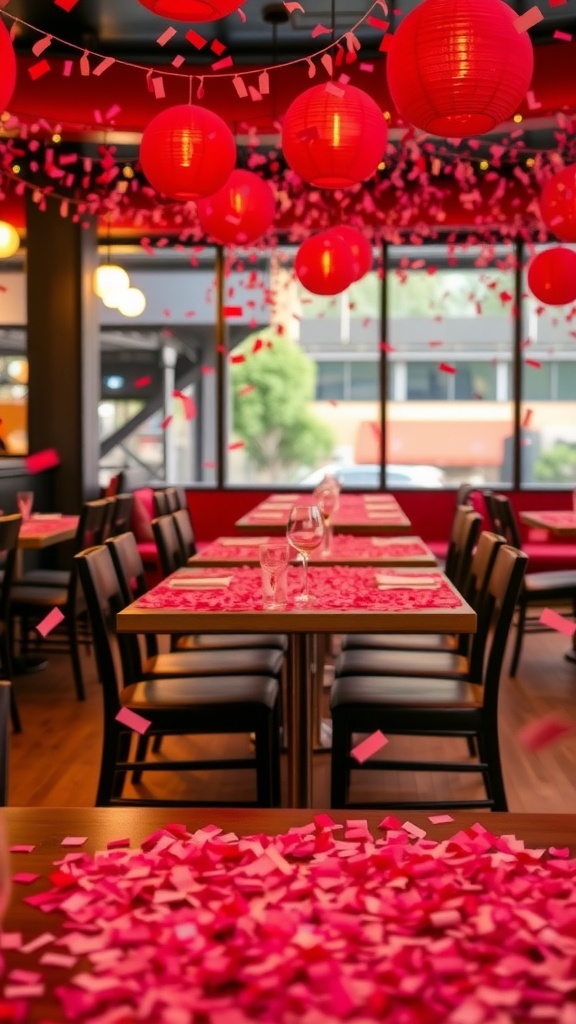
{"x": 464, "y": 663}
{"x": 185, "y": 531}
{"x": 32, "y": 598}
{"x": 5, "y": 712}
{"x": 538, "y": 588}
{"x": 160, "y": 503}
{"x": 464, "y": 533}
{"x": 172, "y": 499}
{"x": 121, "y": 514}
{"x": 448, "y": 708}
{"x": 188, "y": 706}
{"x": 9, "y": 532}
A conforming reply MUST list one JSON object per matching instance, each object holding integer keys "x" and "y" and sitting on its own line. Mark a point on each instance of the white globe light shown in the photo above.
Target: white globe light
{"x": 132, "y": 302}
{"x": 110, "y": 278}
{"x": 9, "y": 240}
{"x": 112, "y": 299}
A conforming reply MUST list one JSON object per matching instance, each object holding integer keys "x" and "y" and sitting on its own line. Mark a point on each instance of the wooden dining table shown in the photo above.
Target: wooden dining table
{"x": 359, "y": 514}
{"x": 561, "y": 523}
{"x": 42, "y": 530}
{"x": 345, "y": 549}
{"x": 345, "y": 599}
{"x": 50, "y": 958}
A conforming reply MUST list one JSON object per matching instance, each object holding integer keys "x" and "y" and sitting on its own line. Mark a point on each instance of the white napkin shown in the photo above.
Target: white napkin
{"x": 263, "y": 514}
{"x": 385, "y": 542}
{"x": 383, "y": 513}
{"x": 389, "y": 581}
{"x": 242, "y": 542}
{"x": 47, "y": 515}
{"x": 277, "y": 498}
{"x": 200, "y": 582}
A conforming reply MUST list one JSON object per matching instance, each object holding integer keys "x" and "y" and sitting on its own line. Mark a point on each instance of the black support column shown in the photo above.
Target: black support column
{"x": 63, "y": 350}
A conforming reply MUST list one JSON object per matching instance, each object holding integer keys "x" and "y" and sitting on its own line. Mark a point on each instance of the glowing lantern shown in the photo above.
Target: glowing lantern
{"x": 187, "y": 152}
{"x": 334, "y": 136}
{"x": 7, "y": 67}
{"x": 459, "y": 67}
{"x": 110, "y": 281}
{"x": 558, "y": 204}
{"x": 192, "y": 10}
{"x": 240, "y": 212}
{"x": 9, "y": 240}
{"x": 552, "y": 276}
{"x": 322, "y": 264}
{"x": 132, "y": 303}
{"x": 360, "y": 249}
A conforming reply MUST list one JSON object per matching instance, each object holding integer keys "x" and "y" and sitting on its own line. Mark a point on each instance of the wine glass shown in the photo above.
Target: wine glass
{"x": 327, "y": 500}
{"x": 304, "y": 532}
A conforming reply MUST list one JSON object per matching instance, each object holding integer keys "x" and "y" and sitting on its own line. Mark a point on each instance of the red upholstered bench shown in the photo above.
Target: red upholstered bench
{"x": 141, "y": 524}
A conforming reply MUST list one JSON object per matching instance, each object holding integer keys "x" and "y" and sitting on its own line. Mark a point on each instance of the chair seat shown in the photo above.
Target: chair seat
{"x": 22, "y": 596}
{"x": 201, "y": 692}
{"x": 561, "y": 582}
{"x": 46, "y": 578}
{"x": 231, "y": 641}
{"x": 402, "y": 663}
{"x": 260, "y": 661}
{"x": 406, "y": 692}
{"x": 399, "y": 642}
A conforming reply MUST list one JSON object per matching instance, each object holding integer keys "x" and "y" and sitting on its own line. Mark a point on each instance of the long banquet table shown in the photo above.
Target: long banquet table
{"x": 313, "y": 914}
{"x": 346, "y": 549}
{"x": 360, "y": 514}
{"x": 347, "y": 600}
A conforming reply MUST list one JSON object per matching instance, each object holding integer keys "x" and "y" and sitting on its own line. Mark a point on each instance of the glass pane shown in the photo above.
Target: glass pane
{"x": 157, "y": 411}
{"x": 303, "y": 395}
{"x": 450, "y": 333}
{"x": 548, "y": 452}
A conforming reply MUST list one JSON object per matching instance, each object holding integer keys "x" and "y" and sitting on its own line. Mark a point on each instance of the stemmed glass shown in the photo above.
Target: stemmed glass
{"x": 327, "y": 500}
{"x": 304, "y": 532}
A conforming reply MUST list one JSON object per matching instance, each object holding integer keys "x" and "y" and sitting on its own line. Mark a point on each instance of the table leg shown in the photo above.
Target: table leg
{"x": 300, "y": 722}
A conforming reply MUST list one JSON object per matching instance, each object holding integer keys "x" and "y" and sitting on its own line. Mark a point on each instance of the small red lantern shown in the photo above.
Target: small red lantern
{"x": 552, "y": 276}
{"x": 334, "y": 136}
{"x": 7, "y": 67}
{"x": 360, "y": 249}
{"x": 187, "y": 152}
{"x": 558, "y": 204}
{"x": 459, "y": 67}
{"x": 240, "y": 212}
{"x": 322, "y": 264}
{"x": 192, "y": 10}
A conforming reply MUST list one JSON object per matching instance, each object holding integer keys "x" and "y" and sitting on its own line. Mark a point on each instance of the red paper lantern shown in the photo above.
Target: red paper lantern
{"x": 322, "y": 264}
{"x": 334, "y": 136}
{"x": 459, "y": 67}
{"x": 558, "y": 204}
{"x": 187, "y": 152}
{"x": 7, "y": 67}
{"x": 240, "y": 212}
{"x": 192, "y": 10}
{"x": 552, "y": 276}
{"x": 360, "y": 249}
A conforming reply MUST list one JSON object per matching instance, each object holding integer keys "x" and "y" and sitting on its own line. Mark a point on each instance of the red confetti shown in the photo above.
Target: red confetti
{"x": 231, "y": 311}
{"x": 446, "y": 368}
{"x": 40, "y": 461}
{"x": 527, "y": 418}
{"x": 247, "y": 390}
{"x": 235, "y": 446}
{"x": 142, "y": 382}
{"x": 166, "y": 422}
{"x": 534, "y": 364}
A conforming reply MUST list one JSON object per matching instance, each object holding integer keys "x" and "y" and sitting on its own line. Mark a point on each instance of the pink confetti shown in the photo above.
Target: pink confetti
{"x": 40, "y": 461}
{"x": 133, "y": 721}
{"x": 66, "y": 5}
{"x": 166, "y": 36}
{"x": 36, "y": 71}
{"x": 231, "y": 311}
{"x": 534, "y": 363}
{"x": 25, "y": 877}
{"x": 440, "y": 819}
{"x": 528, "y": 20}
{"x": 143, "y": 382}
{"x": 22, "y": 848}
{"x": 447, "y": 368}
{"x": 50, "y": 621}
{"x": 527, "y": 418}
{"x": 544, "y": 731}
{"x": 166, "y": 422}
{"x": 565, "y": 37}
{"x": 235, "y": 446}
{"x": 371, "y": 745}
{"x": 74, "y": 841}
{"x": 557, "y": 622}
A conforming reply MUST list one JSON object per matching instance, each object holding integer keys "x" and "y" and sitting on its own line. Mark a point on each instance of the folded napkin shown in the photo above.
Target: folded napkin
{"x": 391, "y": 581}
{"x": 277, "y": 498}
{"x": 47, "y": 515}
{"x": 242, "y": 542}
{"x": 385, "y": 542}
{"x": 383, "y": 513}
{"x": 263, "y": 514}
{"x": 200, "y": 582}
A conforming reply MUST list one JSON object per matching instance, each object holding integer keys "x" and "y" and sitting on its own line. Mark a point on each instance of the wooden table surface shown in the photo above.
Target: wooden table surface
{"x": 360, "y": 514}
{"x": 562, "y": 523}
{"x": 42, "y": 531}
{"x": 345, "y": 550}
{"x": 45, "y": 828}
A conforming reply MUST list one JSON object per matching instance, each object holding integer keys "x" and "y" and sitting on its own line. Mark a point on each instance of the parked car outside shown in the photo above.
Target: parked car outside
{"x": 368, "y": 475}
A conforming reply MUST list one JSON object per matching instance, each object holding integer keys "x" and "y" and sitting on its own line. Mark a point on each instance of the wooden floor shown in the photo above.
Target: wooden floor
{"x": 54, "y": 762}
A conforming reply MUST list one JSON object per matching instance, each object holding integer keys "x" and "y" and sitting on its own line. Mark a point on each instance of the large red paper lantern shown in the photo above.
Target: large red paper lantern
{"x": 187, "y": 152}
{"x": 334, "y": 136}
{"x": 7, "y": 67}
{"x": 360, "y": 249}
{"x": 552, "y": 276}
{"x": 558, "y": 204}
{"x": 192, "y": 10}
{"x": 322, "y": 264}
{"x": 240, "y": 212}
{"x": 459, "y": 67}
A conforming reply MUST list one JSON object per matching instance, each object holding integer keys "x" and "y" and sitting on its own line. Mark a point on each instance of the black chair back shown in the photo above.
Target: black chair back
{"x": 496, "y": 615}
{"x": 93, "y": 523}
{"x": 465, "y": 532}
{"x": 480, "y": 572}
{"x": 185, "y": 532}
{"x": 121, "y": 513}
{"x": 9, "y": 531}
{"x": 172, "y": 499}
{"x": 128, "y": 564}
{"x": 506, "y": 517}
{"x": 161, "y": 503}
{"x": 5, "y": 692}
{"x": 464, "y": 494}
{"x": 168, "y": 544}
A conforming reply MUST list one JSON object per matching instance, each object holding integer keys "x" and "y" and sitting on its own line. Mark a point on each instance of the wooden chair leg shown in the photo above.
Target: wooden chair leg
{"x": 264, "y": 753}
{"x": 105, "y": 790}
{"x": 490, "y": 753}
{"x": 520, "y": 626}
{"x": 339, "y": 773}
{"x": 75, "y": 655}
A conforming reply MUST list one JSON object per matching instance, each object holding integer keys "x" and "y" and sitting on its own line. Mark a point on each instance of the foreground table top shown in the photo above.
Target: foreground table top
{"x": 40, "y": 531}
{"x": 75, "y": 966}
{"x": 360, "y": 514}
{"x": 346, "y": 549}
{"x": 559, "y": 522}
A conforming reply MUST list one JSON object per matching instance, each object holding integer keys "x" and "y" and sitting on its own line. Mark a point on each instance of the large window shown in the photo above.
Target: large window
{"x": 450, "y": 341}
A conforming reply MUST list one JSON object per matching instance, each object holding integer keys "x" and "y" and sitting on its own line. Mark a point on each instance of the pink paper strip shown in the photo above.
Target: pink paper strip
{"x": 371, "y": 745}
{"x": 544, "y": 731}
{"x": 136, "y": 722}
{"x": 557, "y": 622}
{"x": 50, "y": 621}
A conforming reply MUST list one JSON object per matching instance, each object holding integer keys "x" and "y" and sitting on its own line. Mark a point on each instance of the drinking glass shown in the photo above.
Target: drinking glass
{"x": 305, "y": 531}
{"x": 327, "y": 500}
{"x": 24, "y": 502}
{"x": 274, "y": 559}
